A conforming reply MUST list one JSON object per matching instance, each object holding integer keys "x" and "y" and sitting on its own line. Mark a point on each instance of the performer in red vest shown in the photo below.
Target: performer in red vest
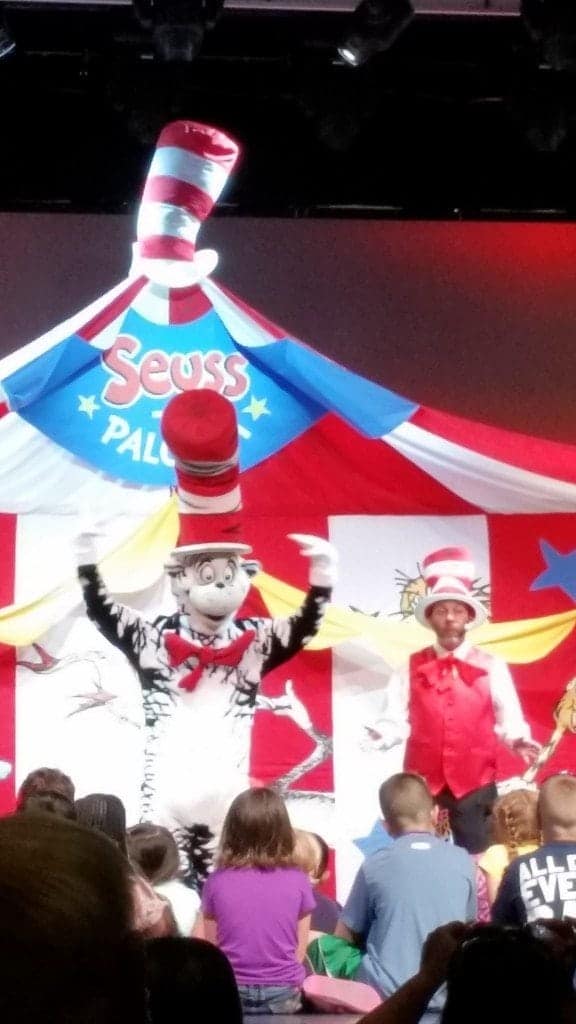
{"x": 453, "y": 703}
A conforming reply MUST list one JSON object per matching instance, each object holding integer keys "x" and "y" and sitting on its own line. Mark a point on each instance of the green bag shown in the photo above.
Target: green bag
{"x": 334, "y": 957}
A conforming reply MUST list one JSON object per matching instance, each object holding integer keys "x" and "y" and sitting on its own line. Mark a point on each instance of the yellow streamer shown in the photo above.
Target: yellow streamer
{"x": 518, "y": 642}
{"x": 130, "y": 568}
{"x": 134, "y": 565}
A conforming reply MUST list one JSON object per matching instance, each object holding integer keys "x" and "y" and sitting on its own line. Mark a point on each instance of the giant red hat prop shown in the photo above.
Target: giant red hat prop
{"x": 201, "y": 432}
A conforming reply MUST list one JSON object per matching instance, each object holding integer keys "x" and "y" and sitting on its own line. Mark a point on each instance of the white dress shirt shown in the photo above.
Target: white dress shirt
{"x": 393, "y": 726}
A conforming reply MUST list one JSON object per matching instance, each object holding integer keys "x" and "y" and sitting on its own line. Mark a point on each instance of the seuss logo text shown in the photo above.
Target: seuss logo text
{"x": 159, "y": 375}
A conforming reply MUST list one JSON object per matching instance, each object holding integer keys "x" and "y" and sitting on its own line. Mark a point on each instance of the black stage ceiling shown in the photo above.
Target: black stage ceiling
{"x": 464, "y": 115}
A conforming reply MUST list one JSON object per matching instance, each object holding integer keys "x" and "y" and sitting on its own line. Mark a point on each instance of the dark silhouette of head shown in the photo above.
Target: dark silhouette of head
{"x": 42, "y": 779}
{"x": 106, "y": 813}
{"x": 190, "y": 979}
{"x": 67, "y": 953}
{"x": 152, "y": 849}
{"x": 528, "y": 979}
{"x": 49, "y": 802}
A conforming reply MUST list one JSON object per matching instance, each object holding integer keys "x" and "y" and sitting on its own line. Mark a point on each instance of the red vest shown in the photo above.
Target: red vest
{"x": 452, "y": 740}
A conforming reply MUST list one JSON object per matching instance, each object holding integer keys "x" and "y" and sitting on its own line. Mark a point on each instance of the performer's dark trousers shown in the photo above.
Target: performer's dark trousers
{"x": 469, "y": 817}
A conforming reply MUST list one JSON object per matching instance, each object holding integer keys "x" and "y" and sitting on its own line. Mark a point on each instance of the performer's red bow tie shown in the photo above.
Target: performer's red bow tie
{"x": 180, "y": 650}
{"x": 439, "y": 671}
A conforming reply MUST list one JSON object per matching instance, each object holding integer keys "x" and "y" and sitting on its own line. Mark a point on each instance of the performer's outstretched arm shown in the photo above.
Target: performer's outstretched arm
{"x": 288, "y": 636}
{"x": 120, "y": 625}
{"x": 140, "y": 642}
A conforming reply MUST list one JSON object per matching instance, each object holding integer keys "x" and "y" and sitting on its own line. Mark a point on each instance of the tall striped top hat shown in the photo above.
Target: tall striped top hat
{"x": 189, "y": 169}
{"x": 200, "y": 430}
{"x": 449, "y": 575}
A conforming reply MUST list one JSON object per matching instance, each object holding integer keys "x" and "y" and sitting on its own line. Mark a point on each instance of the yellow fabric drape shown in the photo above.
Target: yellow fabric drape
{"x": 133, "y": 566}
{"x": 518, "y": 642}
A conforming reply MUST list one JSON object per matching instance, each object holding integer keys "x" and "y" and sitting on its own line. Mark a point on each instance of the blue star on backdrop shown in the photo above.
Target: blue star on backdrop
{"x": 560, "y": 571}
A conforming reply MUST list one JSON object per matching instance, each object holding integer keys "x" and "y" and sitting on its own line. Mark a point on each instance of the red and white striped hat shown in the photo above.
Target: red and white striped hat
{"x": 201, "y": 431}
{"x": 189, "y": 169}
{"x": 449, "y": 574}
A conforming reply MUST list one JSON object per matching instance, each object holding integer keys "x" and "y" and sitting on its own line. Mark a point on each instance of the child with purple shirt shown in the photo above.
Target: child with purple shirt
{"x": 256, "y": 906}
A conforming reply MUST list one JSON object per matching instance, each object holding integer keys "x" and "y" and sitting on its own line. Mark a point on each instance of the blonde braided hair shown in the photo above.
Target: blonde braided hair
{"x": 515, "y": 820}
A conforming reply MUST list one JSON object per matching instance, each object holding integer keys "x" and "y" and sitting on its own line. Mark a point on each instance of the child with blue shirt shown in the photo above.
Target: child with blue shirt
{"x": 405, "y": 891}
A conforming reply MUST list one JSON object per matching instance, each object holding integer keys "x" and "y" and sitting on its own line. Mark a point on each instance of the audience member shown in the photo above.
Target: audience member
{"x": 312, "y": 855}
{"x": 405, "y": 891}
{"x": 152, "y": 849}
{"x": 493, "y": 973}
{"x": 542, "y": 884}
{"x": 256, "y": 906}
{"x": 526, "y": 979}
{"x": 67, "y": 953}
{"x": 49, "y": 802}
{"x": 106, "y": 813}
{"x": 515, "y": 831}
{"x": 152, "y": 914}
{"x": 189, "y": 979}
{"x": 42, "y": 779}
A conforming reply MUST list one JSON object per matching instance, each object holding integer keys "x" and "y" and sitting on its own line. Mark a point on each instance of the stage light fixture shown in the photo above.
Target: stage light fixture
{"x": 7, "y": 44}
{"x": 178, "y": 27}
{"x": 376, "y": 24}
{"x": 551, "y": 24}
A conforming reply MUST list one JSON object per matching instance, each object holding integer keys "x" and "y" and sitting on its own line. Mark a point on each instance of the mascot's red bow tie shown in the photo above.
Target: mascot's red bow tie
{"x": 179, "y": 650}
{"x": 440, "y": 671}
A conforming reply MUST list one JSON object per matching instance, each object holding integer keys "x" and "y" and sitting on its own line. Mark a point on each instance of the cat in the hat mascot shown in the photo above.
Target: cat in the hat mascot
{"x": 200, "y": 668}
{"x": 453, "y": 703}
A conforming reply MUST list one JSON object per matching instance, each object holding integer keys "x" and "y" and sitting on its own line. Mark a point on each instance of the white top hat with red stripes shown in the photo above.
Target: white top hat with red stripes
{"x": 449, "y": 575}
{"x": 189, "y": 169}
{"x": 201, "y": 431}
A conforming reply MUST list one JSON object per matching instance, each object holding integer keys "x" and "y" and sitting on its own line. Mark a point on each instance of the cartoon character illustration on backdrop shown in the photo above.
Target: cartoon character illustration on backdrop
{"x": 200, "y": 668}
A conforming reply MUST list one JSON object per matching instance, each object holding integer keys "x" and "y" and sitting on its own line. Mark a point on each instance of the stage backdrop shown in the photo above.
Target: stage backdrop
{"x": 323, "y": 451}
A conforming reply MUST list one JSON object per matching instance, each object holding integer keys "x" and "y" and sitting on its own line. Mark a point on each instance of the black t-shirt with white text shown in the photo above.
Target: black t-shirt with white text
{"x": 539, "y": 884}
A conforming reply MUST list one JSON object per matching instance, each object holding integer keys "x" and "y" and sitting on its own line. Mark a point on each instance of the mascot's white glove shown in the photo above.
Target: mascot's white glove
{"x": 323, "y": 559}
{"x": 87, "y": 543}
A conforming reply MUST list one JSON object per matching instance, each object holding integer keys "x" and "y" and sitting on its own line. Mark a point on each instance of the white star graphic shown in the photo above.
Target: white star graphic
{"x": 87, "y": 404}
{"x": 257, "y": 408}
